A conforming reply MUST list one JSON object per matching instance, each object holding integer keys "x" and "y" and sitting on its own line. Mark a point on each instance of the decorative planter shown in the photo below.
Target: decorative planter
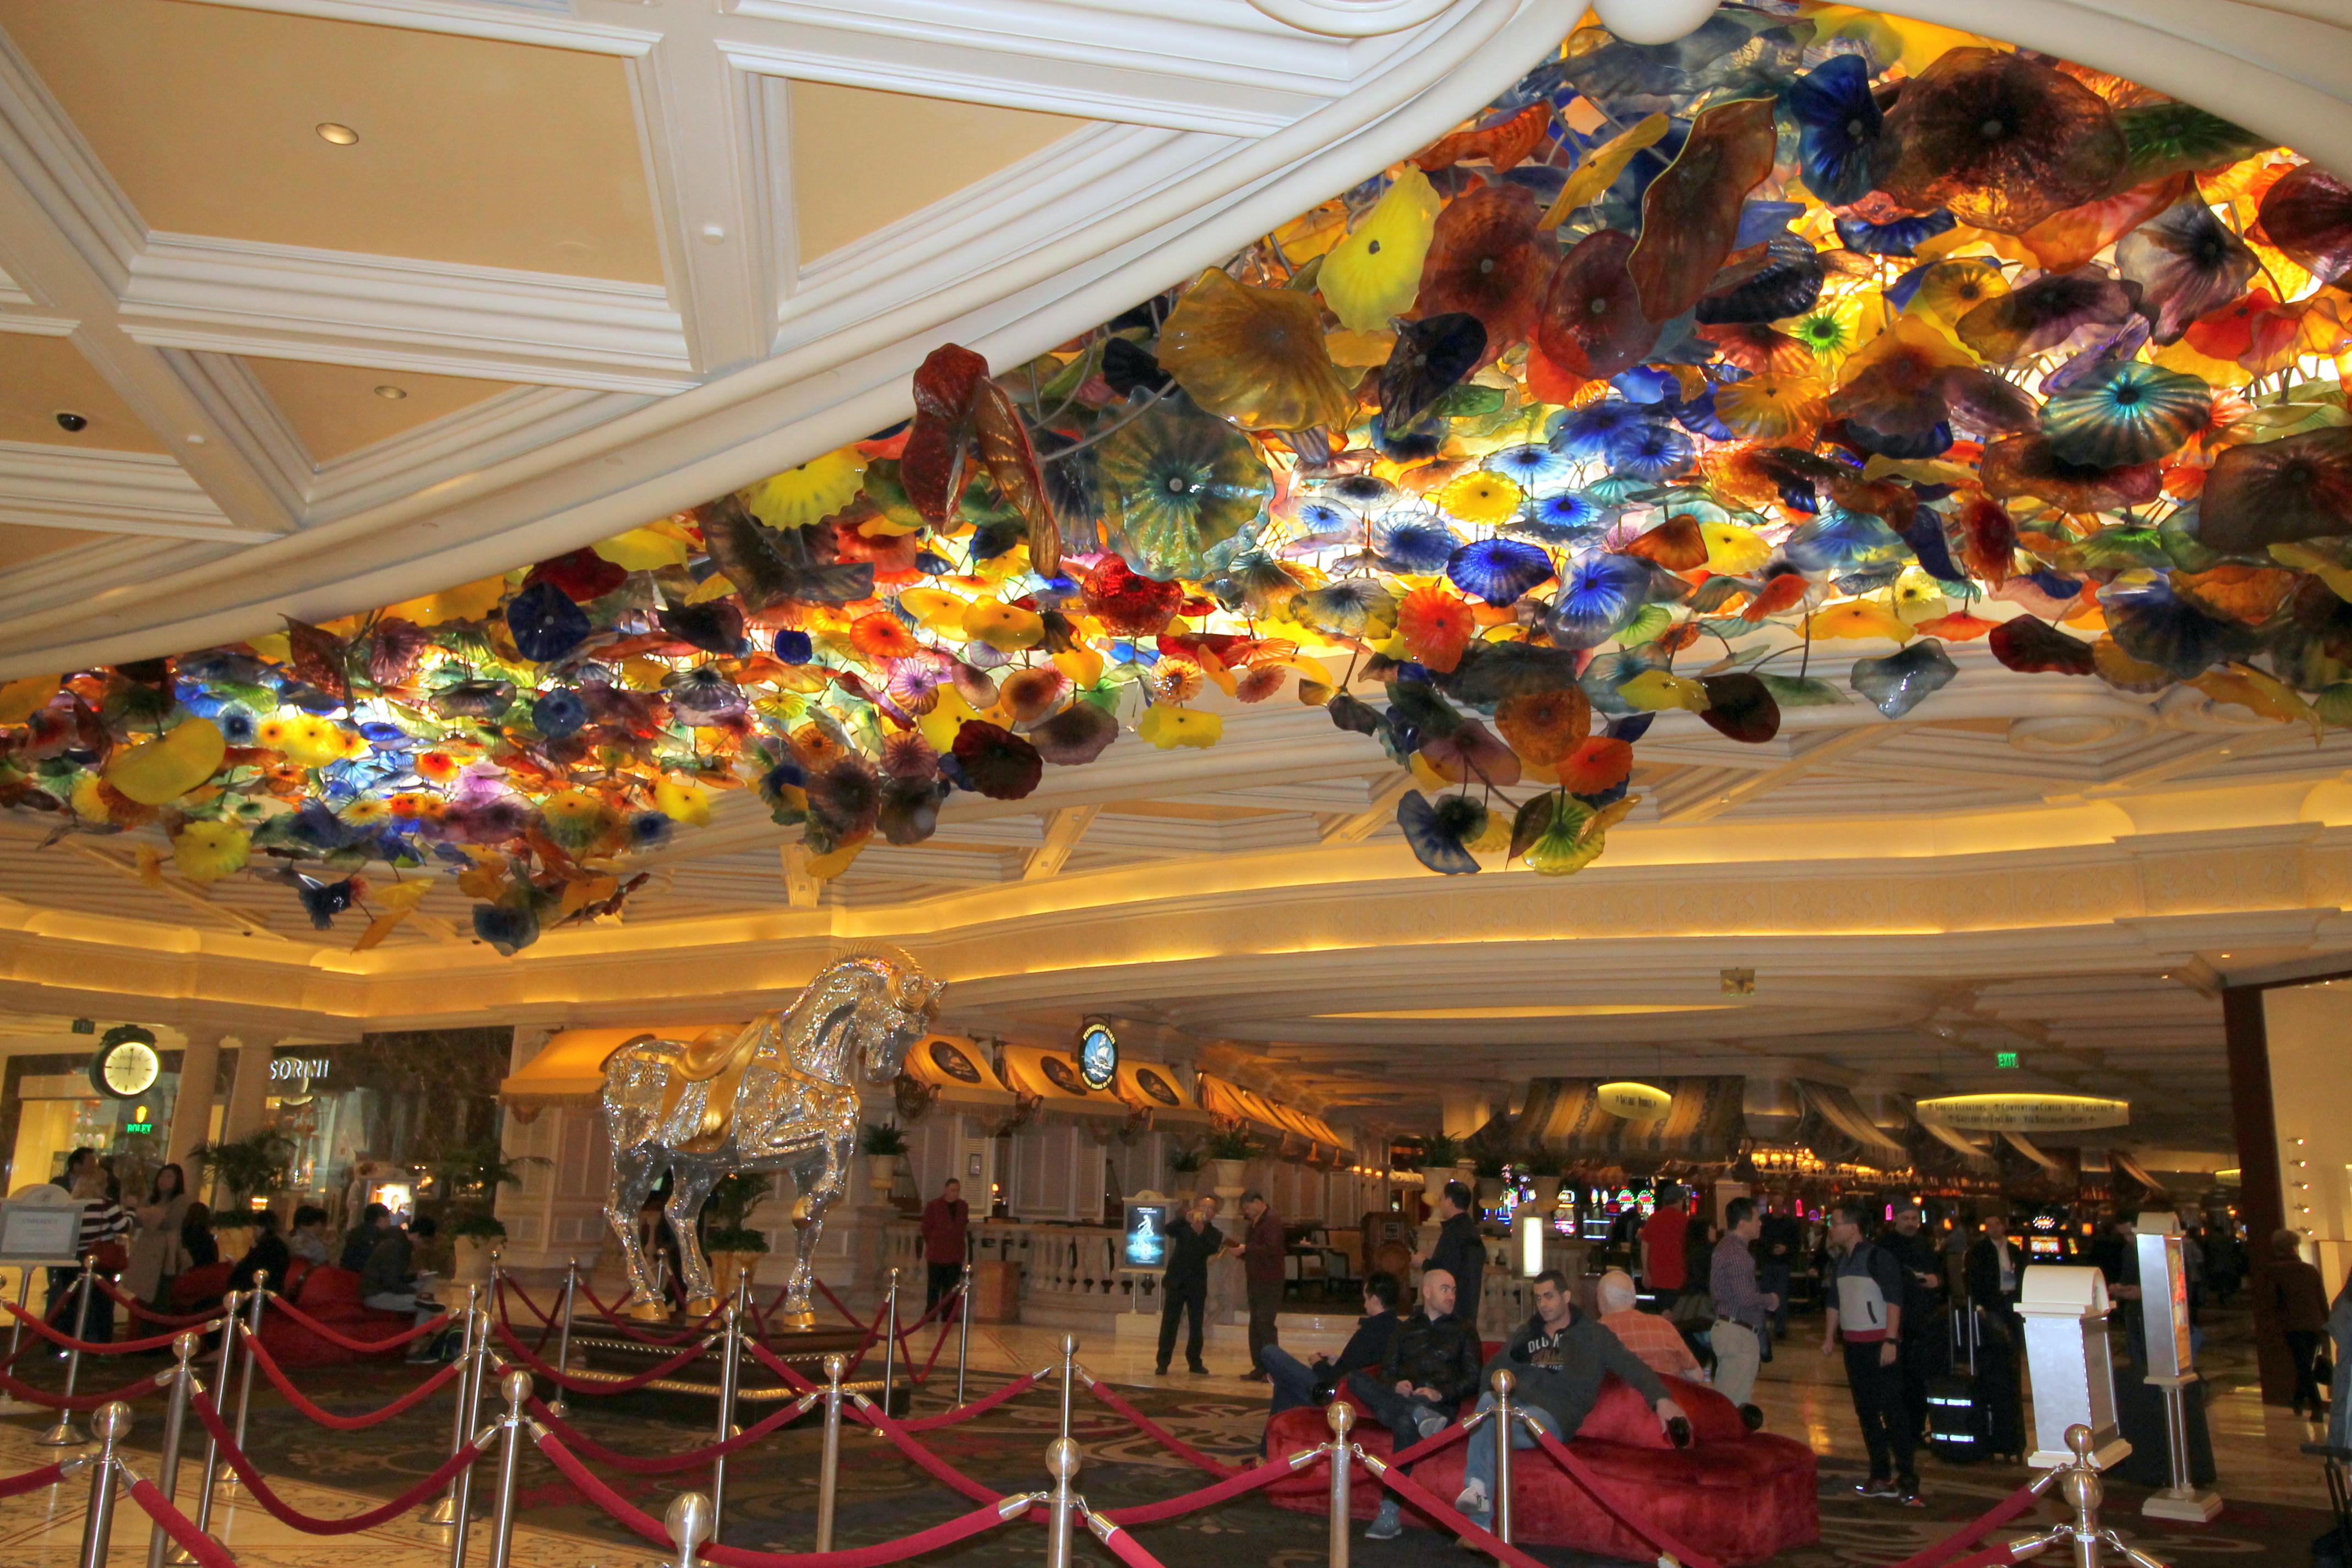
{"x": 882, "y": 1173}
{"x": 472, "y": 1263}
{"x": 726, "y": 1267}
{"x": 1490, "y": 1190}
{"x": 1433, "y": 1181}
{"x": 1547, "y": 1193}
{"x": 1231, "y": 1178}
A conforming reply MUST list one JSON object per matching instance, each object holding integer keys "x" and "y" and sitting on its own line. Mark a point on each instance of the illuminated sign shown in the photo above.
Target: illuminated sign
{"x": 139, "y": 1127}
{"x": 2023, "y": 1112}
{"x": 2005, "y": 1059}
{"x": 1097, "y": 1053}
{"x": 1634, "y": 1102}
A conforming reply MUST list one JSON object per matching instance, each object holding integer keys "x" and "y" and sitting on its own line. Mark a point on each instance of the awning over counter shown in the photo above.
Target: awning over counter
{"x": 1974, "y": 1159}
{"x": 570, "y": 1068}
{"x": 1835, "y": 1128}
{"x": 2123, "y": 1160}
{"x": 1158, "y": 1087}
{"x": 1052, "y": 1078}
{"x": 1297, "y": 1134}
{"x": 957, "y": 1070}
{"x": 1563, "y": 1116}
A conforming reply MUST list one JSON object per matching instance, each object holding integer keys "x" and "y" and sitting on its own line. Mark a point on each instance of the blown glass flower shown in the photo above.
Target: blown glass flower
{"x": 1488, "y": 258}
{"x": 1838, "y": 128}
{"x": 1254, "y": 356}
{"x": 1374, "y": 274}
{"x": 2001, "y": 139}
{"x": 1174, "y": 484}
{"x": 2125, "y": 413}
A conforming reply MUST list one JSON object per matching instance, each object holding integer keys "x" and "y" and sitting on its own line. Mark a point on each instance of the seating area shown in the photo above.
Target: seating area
{"x": 329, "y": 1294}
{"x": 1738, "y": 1496}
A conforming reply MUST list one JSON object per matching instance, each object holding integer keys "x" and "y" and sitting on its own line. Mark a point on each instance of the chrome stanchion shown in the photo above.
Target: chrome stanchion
{"x": 461, "y": 1424}
{"x": 260, "y": 1298}
{"x": 556, "y": 1407}
{"x": 10, "y": 1404}
{"x": 461, "y": 1515}
{"x": 828, "y": 1475}
{"x": 112, "y": 1425}
{"x": 180, "y": 1555}
{"x": 1342, "y": 1418}
{"x": 688, "y": 1524}
{"x": 964, "y": 1327}
{"x": 176, "y": 1415}
{"x": 1062, "y": 1464}
{"x": 1069, "y": 1378}
{"x": 731, "y": 1342}
{"x": 64, "y": 1433}
{"x": 517, "y": 1388}
{"x": 890, "y": 1349}
{"x": 1504, "y": 1383}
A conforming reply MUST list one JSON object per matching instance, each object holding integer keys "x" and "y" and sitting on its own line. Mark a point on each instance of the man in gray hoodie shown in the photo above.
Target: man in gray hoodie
{"x": 1558, "y": 1357}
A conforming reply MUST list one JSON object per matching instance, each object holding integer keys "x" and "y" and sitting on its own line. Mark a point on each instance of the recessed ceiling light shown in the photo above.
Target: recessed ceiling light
{"x": 340, "y": 135}
{"x": 391, "y": 394}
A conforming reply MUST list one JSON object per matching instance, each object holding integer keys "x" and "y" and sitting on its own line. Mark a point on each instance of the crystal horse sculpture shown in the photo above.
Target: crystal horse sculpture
{"x": 779, "y": 1095}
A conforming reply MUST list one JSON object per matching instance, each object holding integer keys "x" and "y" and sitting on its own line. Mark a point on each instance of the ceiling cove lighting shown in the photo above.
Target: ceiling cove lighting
{"x": 2024, "y": 1113}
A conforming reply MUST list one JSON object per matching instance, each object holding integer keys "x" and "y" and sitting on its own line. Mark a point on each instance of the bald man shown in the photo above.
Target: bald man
{"x": 1431, "y": 1367}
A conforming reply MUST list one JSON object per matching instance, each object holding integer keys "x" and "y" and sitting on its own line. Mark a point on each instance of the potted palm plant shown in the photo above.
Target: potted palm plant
{"x": 1187, "y": 1163}
{"x": 244, "y": 1169}
{"x": 886, "y": 1146}
{"x": 733, "y": 1247}
{"x": 1228, "y": 1151}
{"x": 1438, "y": 1154}
{"x": 470, "y": 1177}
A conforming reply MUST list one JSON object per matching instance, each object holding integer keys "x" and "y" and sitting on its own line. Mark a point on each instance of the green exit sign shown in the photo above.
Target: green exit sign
{"x": 2004, "y": 1058}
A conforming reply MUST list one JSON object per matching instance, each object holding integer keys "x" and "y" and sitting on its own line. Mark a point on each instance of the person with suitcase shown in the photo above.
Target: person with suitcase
{"x": 1959, "y": 1424}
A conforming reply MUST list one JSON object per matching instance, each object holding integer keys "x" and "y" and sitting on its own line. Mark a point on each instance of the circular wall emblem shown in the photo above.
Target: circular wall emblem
{"x": 1152, "y": 1084}
{"x": 953, "y": 1062}
{"x": 1059, "y": 1072}
{"x": 1097, "y": 1054}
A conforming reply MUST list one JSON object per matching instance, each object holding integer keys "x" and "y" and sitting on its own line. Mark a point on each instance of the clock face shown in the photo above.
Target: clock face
{"x": 126, "y": 1069}
{"x": 1097, "y": 1054}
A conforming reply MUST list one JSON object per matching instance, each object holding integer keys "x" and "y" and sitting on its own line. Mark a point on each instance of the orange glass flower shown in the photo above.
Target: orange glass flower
{"x": 1254, "y": 356}
{"x": 1597, "y": 763}
{"x": 1544, "y": 726}
{"x": 1436, "y": 625}
{"x": 882, "y": 635}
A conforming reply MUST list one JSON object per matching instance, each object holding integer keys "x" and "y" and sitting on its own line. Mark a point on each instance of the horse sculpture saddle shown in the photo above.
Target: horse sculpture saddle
{"x": 717, "y": 1056}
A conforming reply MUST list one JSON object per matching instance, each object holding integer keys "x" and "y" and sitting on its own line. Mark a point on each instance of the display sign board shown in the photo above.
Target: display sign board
{"x": 2164, "y": 1297}
{"x": 1634, "y": 1102}
{"x": 1143, "y": 1241}
{"x": 2023, "y": 1112}
{"x": 37, "y": 1229}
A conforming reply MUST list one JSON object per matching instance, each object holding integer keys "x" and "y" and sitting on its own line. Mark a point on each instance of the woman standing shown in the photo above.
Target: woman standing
{"x": 158, "y": 1256}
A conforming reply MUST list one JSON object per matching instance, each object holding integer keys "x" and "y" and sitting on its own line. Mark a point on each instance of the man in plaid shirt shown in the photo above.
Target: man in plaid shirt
{"x": 1655, "y": 1342}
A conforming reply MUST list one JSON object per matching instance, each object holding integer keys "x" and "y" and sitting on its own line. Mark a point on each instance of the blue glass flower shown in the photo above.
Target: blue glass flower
{"x": 1901, "y": 680}
{"x": 1646, "y": 384}
{"x": 1566, "y": 518}
{"x": 1529, "y": 467}
{"x": 1362, "y": 490}
{"x": 1498, "y": 570}
{"x": 322, "y": 902}
{"x": 1601, "y": 597}
{"x": 1838, "y": 128}
{"x": 1932, "y": 442}
{"x": 1760, "y": 221}
{"x": 1904, "y": 237}
{"x": 558, "y": 713}
{"x": 1439, "y": 833}
{"x": 649, "y": 830}
{"x": 1415, "y": 444}
{"x": 1698, "y": 417}
{"x": 545, "y": 623}
{"x": 1841, "y": 541}
{"x": 510, "y": 928}
{"x": 1585, "y": 433}
{"x": 2155, "y": 626}
{"x": 795, "y": 647}
{"x": 1650, "y": 451}
{"x": 238, "y": 724}
{"x": 1415, "y": 541}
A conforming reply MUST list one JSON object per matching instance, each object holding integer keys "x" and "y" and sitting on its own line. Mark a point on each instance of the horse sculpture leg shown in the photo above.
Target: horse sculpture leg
{"x": 690, "y": 1183}
{"x": 634, "y": 1171}
{"x": 822, "y": 1178}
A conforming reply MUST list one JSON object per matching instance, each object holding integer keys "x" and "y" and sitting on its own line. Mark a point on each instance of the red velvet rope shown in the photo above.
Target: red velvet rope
{"x": 1993, "y": 1518}
{"x": 769, "y": 1358}
{"x": 294, "y": 1396}
{"x": 90, "y": 1347}
{"x": 941, "y": 1471}
{"x": 583, "y": 1386}
{"x": 1157, "y": 1432}
{"x": 361, "y": 1347}
{"x": 1614, "y": 1506}
{"x": 154, "y": 1383}
{"x": 658, "y": 1465}
{"x": 938, "y": 1345}
{"x": 636, "y": 1330}
{"x": 965, "y": 1412}
{"x": 653, "y": 1529}
{"x": 138, "y": 1309}
{"x": 506, "y": 1285}
{"x": 1428, "y": 1445}
{"x": 1231, "y": 1487}
{"x": 1123, "y": 1546}
{"x": 208, "y": 1552}
{"x": 33, "y": 1481}
{"x": 1422, "y": 1497}
{"x": 313, "y": 1524}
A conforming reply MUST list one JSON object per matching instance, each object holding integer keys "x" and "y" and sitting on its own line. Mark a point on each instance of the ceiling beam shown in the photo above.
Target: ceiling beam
{"x": 1378, "y": 811}
{"x": 247, "y": 924}
{"x": 1064, "y": 828}
{"x": 1701, "y": 806}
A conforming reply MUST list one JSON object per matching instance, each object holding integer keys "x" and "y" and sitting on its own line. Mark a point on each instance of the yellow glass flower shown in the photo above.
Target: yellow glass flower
{"x": 1919, "y": 597}
{"x": 1733, "y": 551}
{"x": 169, "y": 766}
{"x": 208, "y": 851}
{"x": 1653, "y": 689}
{"x": 1950, "y": 289}
{"x": 1375, "y": 272}
{"x": 648, "y": 549}
{"x": 682, "y": 801}
{"x": 575, "y": 818}
{"x": 1168, "y": 727}
{"x": 366, "y": 811}
{"x": 1771, "y": 407}
{"x": 1008, "y": 627}
{"x": 809, "y": 494}
{"x": 1860, "y": 618}
{"x": 1480, "y": 497}
{"x": 1254, "y": 355}
{"x": 935, "y": 607}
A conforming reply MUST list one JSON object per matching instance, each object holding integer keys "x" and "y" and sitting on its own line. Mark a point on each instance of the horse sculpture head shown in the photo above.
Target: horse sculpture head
{"x": 898, "y": 1009}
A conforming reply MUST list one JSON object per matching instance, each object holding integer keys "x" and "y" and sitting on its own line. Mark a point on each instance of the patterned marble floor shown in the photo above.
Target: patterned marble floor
{"x": 1801, "y": 1393}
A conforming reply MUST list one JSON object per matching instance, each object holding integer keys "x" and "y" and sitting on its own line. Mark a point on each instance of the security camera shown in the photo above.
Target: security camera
{"x": 73, "y": 422}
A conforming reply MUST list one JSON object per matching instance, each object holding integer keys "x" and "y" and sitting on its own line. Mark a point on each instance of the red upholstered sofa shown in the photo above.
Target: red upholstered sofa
{"x": 1738, "y": 1496}
{"x": 331, "y": 1295}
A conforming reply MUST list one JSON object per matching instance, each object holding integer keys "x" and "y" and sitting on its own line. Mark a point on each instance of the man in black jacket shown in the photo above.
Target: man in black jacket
{"x": 1432, "y": 1365}
{"x": 1294, "y": 1380}
{"x": 1459, "y": 1250}
{"x": 1559, "y": 1358}
{"x": 1184, "y": 1287}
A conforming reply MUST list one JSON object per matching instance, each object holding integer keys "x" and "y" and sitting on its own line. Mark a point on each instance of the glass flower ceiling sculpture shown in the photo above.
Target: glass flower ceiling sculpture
{"x": 1815, "y": 324}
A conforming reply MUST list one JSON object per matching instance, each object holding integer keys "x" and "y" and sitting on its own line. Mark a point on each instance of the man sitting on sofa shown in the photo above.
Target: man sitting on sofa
{"x": 1559, "y": 1358}
{"x": 1647, "y": 1335}
{"x": 1432, "y": 1365}
{"x": 1294, "y": 1380}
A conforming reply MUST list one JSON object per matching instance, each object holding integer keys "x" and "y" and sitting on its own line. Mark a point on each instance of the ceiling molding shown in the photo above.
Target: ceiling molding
{"x": 490, "y": 431}
{"x": 110, "y": 492}
{"x": 285, "y": 301}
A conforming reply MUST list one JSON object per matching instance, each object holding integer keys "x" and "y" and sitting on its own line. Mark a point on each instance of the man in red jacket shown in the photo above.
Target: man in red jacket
{"x": 1262, "y": 1251}
{"x": 944, "y": 1220}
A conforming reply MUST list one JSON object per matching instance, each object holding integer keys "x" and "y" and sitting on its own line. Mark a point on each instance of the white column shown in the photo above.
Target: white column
{"x": 249, "y": 1093}
{"x": 192, "y": 1111}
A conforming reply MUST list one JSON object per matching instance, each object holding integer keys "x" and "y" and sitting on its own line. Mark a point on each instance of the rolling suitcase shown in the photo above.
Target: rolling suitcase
{"x": 1959, "y": 1424}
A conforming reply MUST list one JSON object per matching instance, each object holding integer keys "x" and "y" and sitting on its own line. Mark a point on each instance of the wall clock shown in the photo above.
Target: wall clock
{"x": 126, "y": 1065}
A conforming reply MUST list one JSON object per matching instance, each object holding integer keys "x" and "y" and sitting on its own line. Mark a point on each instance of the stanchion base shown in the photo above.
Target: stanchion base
{"x": 2193, "y": 1506}
{"x": 64, "y": 1435}
{"x": 179, "y": 1556}
{"x": 796, "y": 1322}
{"x": 445, "y": 1513}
